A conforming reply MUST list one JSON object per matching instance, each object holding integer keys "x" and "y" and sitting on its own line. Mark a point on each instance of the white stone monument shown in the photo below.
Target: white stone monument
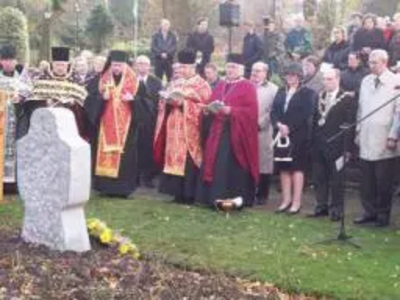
{"x": 53, "y": 175}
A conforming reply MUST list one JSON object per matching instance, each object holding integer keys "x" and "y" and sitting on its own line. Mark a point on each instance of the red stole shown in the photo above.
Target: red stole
{"x": 115, "y": 122}
{"x": 242, "y": 99}
{"x": 178, "y": 134}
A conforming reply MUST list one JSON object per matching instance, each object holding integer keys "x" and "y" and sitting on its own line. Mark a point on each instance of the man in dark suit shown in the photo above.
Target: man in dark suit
{"x": 146, "y": 108}
{"x": 334, "y": 109}
{"x": 253, "y": 49}
{"x": 202, "y": 42}
{"x": 163, "y": 49}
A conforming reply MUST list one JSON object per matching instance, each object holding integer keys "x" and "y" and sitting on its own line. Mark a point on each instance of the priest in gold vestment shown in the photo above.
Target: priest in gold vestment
{"x": 115, "y": 162}
{"x": 177, "y": 145}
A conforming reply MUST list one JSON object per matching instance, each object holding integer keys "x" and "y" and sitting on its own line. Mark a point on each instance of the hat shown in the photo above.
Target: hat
{"x": 236, "y": 58}
{"x": 8, "y": 52}
{"x": 294, "y": 68}
{"x": 60, "y": 54}
{"x": 119, "y": 56}
{"x": 187, "y": 57}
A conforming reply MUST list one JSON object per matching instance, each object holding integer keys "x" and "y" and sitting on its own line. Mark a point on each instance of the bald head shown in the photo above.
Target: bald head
{"x": 165, "y": 25}
{"x": 259, "y": 72}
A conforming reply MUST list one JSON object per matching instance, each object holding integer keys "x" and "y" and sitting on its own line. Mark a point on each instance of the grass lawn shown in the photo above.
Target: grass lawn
{"x": 259, "y": 245}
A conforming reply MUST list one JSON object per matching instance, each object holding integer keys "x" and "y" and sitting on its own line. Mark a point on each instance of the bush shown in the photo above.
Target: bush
{"x": 14, "y": 31}
{"x": 143, "y": 47}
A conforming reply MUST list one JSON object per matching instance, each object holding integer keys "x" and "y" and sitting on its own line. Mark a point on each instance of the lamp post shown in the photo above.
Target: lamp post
{"x": 77, "y": 30}
{"x": 46, "y": 35}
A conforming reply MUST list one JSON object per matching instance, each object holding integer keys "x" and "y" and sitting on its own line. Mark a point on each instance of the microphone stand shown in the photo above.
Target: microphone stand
{"x": 345, "y": 129}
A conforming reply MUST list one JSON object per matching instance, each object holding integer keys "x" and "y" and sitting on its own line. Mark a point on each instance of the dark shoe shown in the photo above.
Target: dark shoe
{"x": 131, "y": 196}
{"x": 365, "y": 220}
{"x": 318, "y": 214}
{"x": 149, "y": 184}
{"x": 261, "y": 201}
{"x": 381, "y": 223}
{"x": 335, "y": 217}
{"x": 283, "y": 209}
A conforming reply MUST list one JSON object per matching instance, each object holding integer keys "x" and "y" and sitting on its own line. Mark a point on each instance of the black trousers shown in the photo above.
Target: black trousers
{"x": 163, "y": 67}
{"x": 377, "y": 187}
{"x": 263, "y": 187}
{"x": 329, "y": 184}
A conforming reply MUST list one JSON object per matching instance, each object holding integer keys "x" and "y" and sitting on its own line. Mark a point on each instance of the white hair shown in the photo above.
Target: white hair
{"x": 261, "y": 64}
{"x": 143, "y": 59}
{"x": 380, "y": 54}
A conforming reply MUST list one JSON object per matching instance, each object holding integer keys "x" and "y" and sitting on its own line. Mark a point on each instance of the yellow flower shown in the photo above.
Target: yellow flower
{"x": 136, "y": 255}
{"x": 123, "y": 249}
{"x": 118, "y": 239}
{"x": 92, "y": 224}
{"x": 106, "y": 236}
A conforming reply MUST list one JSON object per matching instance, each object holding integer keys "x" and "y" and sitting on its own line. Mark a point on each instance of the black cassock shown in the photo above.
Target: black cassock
{"x": 127, "y": 179}
{"x": 146, "y": 110}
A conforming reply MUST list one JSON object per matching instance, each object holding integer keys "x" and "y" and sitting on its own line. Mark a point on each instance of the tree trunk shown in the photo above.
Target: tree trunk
{"x": 381, "y": 7}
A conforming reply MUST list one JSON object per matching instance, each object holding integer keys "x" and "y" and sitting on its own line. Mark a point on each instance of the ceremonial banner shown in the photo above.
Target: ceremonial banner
{"x": 3, "y": 103}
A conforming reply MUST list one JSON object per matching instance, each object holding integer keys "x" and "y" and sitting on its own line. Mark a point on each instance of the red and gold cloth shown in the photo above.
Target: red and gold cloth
{"x": 178, "y": 131}
{"x": 115, "y": 122}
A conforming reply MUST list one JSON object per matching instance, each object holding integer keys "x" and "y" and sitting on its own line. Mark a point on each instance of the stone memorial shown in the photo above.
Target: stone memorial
{"x": 53, "y": 172}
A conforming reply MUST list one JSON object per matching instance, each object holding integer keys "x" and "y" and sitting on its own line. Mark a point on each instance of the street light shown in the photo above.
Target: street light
{"x": 46, "y": 34}
{"x": 77, "y": 37}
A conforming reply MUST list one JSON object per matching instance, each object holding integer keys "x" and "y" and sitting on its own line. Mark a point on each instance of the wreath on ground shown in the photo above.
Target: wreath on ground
{"x": 105, "y": 236}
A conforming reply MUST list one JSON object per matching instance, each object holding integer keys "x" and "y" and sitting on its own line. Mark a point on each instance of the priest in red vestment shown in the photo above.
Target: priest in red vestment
{"x": 177, "y": 145}
{"x": 115, "y": 163}
{"x": 230, "y": 167}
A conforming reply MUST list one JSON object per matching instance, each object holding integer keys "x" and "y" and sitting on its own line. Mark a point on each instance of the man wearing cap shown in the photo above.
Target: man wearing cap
{"x": 58, "y": 87}
{"x": 230, "y": 166}
{"x": 177, "y": 146}
{"x": 115, "y": 163}
{"x": 17, "y": 88}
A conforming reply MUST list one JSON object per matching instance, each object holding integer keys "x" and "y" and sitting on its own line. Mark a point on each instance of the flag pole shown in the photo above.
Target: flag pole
{"x": 135, "y": 12}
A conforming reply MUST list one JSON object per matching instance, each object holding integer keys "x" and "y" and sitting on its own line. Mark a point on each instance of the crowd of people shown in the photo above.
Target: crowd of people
{"x": 204, "y": 137}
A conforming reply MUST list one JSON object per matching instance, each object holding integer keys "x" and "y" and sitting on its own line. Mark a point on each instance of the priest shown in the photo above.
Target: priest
{"x": 177, "y": 146}
{"x": 115, "y": 163}
{"x": 230, "y": 166}
{"x": 17, "y": 88}
{"x": 58, "y": 87}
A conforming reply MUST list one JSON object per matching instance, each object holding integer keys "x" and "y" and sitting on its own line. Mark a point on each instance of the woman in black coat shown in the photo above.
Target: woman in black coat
{"x": 352, "y": 76}
{"x": 291, "y": 116}
{"x": 368, "y": 38}
{"x": 336, "y": 54}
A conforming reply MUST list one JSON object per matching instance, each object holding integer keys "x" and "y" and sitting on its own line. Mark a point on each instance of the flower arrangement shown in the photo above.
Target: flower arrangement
{"x": 106, "y": 236}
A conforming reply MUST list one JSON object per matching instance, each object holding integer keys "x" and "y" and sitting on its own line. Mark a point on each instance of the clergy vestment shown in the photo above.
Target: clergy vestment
{"x": 231, "y": 163}
{"x": 116, "y": 167}
{"x": 177, "y": 145}
{"x": 17, "y": 88}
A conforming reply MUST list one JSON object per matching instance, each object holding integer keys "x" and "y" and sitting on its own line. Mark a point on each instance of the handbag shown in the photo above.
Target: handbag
{"x": 282, "y": 149}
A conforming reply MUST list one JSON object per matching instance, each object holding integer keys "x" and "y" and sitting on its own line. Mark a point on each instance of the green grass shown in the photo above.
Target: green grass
{"x": 259, "y": 245}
